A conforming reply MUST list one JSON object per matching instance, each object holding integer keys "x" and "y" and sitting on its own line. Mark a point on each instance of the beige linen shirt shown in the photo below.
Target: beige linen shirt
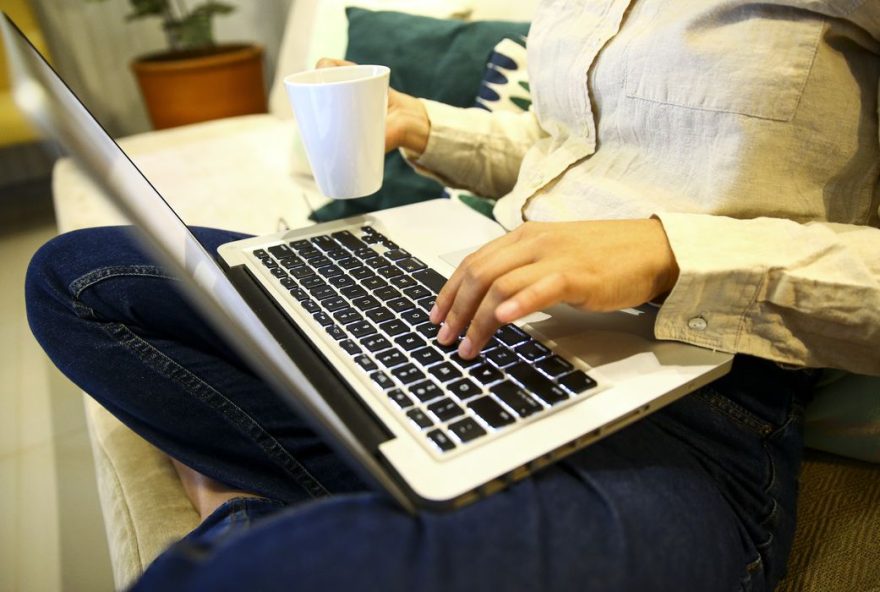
{"x": 750, "y": 130}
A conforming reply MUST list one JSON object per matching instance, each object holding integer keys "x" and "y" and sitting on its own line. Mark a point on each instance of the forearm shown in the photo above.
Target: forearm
{"x": 802, "y": 294}
{"x": 475, "y": 149}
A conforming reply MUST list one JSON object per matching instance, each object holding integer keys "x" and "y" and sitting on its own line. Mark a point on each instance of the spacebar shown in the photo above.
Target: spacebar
{"x": 430, "y": 278}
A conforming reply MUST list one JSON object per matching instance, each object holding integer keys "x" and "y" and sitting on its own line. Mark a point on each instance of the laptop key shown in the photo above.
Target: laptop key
{"x": 309, "y": 305}
{"x": 410, "y": 341}
{"x": 361, "y": 328}
{"x": 350, "y": 347}
{"x": 348, "y": 263}
{"x": 280, "y": 251}
{"x": 375, "y": 342}
{"x": 389, "y": 272}
{"x": 348, "y": 240}
{"x": 425, "y": 391}
{"x": 309, "y": 252}
{"x": 269, "y": 263}
{"x": 366, "y": 363}
{"x": 554, "y": 366}
{"x": 467, "y": 429}
{"x": 324, "y": 242}
{"x": 261, "y": 254}
{"x": 410, "y": 264}
{"x": 486, "y": 374}
{"x": 577, "y": 382}
{"x": 382, "y": 379}
{"x": 361, "y": 273}
{"x": 441, "y": 440}
{"x": 333, "y": 304}
{"x": 464, "y": 389}
{"x": 408, "y": 373}
{"x": 386, "y": 292}
{"x": 323, "y": 318}
{"x": 299, "y": 294}
{"x": 426, "y": 304}
{"x": 318, "y": 261}
{"x": 532, "y": 351}
{"x": 352, "y": 292}
{"x": 323, "y": 292}
{"x": 374, "y": 283}
{"x": 522, "y": 403}
{"x": 501, "y": 357}
{"x": 394, "y": 327}
{"x": 288, "y": 283}
{"x": 491, "y": 412}
{"x": 364, "y": 253}
{"x": 467, "y": 364}
{"x": 335, "y": 332}
{"x": 380, "y": 315}
{"x": 403, "y": 281}
{"x": 365, "y": 302}
{"x": 429, "y": 330}
{"x": 414, "y": 317}
{"x": 391, "y": 358}
{"x": 511, "y": 335}
{"x": 399, "y": 305}
{"x": 445, "y": 409}
{"x": 303, "y": 272}
{"x": 420, "y": 418}
{"x": 418, "y": 292}
{"x": 400, "y": 398}
{"x": 377, "y": 261}
{"x": 337, "y": 253}
{"x": 291, "y": 261}
{"x": 315, "y": 283}
{"x": 430, "y": 278}
{"x": 341, "y": 281}
{"x": 445, "y": 372}
{"x": 279, "y": 273}
{"x": 536, "y": 383}
{"x": 427, "y": 356}
{"x": 329, "y": 271}
{"x": 397, "y": 254}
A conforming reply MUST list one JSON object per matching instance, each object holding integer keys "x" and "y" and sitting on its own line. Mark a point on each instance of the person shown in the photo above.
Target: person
{"x": 718, "y": 156}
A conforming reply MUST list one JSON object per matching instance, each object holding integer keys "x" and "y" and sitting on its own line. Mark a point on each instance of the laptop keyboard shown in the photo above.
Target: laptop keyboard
{"x": 373, "y": 299}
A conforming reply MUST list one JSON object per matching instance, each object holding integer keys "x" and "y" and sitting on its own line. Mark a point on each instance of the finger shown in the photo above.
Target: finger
{"x": 550, "y": 289}
{"x": 447, "y": 295}
{"x": 476, "y": 280}
{"x": 333, "y": 63}
{"x": 522, "y": 280}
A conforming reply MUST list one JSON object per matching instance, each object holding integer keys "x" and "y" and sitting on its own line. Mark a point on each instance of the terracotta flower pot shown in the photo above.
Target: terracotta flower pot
{"x": 192, "y": 86}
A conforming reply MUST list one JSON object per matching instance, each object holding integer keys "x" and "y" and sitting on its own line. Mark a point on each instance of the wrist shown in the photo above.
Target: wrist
{"x": 417, "y": 126}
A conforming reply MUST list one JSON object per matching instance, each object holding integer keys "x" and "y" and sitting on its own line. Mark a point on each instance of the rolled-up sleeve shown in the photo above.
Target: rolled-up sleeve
{"x": 474, "y": 149}
{"x": 801, "y": 294}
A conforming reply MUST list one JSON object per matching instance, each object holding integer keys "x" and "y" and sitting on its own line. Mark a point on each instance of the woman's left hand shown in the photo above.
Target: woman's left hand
{"x": 592, "y": 265}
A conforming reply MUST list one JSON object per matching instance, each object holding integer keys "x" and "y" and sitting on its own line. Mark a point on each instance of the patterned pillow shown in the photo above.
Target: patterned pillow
{"x": 505, "y": 87}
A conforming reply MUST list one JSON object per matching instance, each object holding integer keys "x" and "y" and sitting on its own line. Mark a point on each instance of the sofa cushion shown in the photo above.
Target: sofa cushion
{"x": 437, "y": 59}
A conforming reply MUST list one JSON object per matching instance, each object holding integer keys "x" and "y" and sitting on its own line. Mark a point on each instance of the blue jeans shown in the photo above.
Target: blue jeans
{"x": 699, "y": 496}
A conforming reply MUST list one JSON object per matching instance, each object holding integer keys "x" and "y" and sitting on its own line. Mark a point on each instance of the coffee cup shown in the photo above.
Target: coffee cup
{"x": 340, "y": 113}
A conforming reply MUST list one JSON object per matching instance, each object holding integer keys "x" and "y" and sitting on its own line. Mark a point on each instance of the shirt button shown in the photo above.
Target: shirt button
{"x": 698, "y": 324}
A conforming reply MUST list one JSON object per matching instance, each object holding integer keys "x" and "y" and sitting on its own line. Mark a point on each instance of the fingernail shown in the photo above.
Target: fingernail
{"x": 444, "y": 335}
{"x": 507, "y": 310}
{"x": 434, "y": 314}
{"x": 466, "y": 348}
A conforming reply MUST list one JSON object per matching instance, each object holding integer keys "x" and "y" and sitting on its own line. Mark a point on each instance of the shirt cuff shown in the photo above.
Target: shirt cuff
{"x": 716, "y": 288}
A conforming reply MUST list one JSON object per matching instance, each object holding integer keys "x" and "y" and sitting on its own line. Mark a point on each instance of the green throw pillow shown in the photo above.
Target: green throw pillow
{"x": 437, "y": 59}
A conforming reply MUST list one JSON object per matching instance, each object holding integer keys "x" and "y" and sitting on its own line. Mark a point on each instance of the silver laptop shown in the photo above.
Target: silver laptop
{"x": 334, "y": 318}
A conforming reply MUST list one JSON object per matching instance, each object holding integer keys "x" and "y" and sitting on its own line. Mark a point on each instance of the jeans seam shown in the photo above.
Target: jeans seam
{"x": 739, "y": 414}
{"x": 168, "y": 368}
{"x": 237, "y": 416}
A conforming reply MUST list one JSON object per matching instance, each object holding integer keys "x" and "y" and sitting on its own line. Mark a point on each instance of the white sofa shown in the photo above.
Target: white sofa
{"x": 245, "y": 174}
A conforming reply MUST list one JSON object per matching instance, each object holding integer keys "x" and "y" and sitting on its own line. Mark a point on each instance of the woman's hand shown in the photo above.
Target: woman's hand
{"x": 595, "y": 266}
{"x": 406, "y": 125}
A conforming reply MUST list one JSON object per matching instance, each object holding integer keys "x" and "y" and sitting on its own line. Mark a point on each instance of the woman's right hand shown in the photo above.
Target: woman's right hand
{"x": 406, "y": 125}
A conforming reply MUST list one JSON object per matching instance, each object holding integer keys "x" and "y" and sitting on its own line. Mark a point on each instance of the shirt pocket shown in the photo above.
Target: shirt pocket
{"x": 750, "y": 59}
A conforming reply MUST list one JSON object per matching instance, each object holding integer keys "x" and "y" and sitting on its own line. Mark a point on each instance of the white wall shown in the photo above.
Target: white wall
{"x": 92, "y": 46}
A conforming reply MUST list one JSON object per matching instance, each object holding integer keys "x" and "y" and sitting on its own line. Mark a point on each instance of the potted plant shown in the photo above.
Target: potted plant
{"x": 196, "y": 79}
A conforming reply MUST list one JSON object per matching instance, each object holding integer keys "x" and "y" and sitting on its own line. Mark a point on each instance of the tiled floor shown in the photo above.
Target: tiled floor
{"x": 51, "y": 532}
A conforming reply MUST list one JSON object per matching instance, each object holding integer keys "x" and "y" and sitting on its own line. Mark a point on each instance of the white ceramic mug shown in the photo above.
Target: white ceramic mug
{"x": 341, "y": 117}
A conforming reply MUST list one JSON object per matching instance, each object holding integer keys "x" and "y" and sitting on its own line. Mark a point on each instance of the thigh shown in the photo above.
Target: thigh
{"x": 697, "y": 497}
{"x": 118, "y": 326}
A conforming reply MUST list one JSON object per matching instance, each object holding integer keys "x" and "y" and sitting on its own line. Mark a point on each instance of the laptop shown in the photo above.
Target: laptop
{"x": 334, "y": 318}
